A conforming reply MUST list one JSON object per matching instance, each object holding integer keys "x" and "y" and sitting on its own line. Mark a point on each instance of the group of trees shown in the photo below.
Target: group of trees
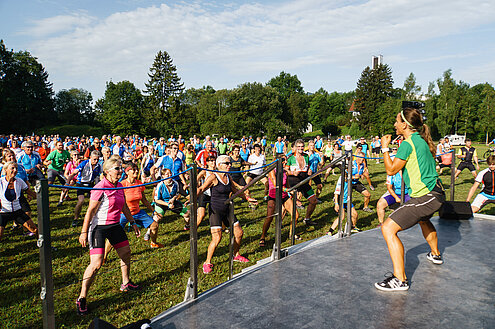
{"x": 278, "y": 107}
{"x": 456, "y": 107}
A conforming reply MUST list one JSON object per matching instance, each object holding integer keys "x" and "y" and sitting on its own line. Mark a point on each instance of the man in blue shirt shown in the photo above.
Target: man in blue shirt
{"x": 175, "y": 164}
{"x": 31, "y": 161}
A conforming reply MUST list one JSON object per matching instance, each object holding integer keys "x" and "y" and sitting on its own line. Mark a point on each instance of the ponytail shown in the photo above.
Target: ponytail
{"x": 424, "y": 131}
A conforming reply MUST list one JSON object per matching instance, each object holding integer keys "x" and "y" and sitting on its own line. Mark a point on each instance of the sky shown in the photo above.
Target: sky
{"x": 326, "y": 43}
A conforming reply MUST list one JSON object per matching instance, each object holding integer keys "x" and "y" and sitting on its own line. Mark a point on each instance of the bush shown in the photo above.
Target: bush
{"x": 71, "y": 130}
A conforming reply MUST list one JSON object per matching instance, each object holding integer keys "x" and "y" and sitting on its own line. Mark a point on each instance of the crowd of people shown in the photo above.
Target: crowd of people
{"x": 114, "y": 162}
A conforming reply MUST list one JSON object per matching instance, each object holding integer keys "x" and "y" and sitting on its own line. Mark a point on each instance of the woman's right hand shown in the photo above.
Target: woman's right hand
{"x": 386, "y": 140}
{"x": 83, "y": 239}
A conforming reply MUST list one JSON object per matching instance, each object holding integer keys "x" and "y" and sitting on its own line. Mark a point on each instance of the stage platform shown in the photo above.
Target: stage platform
{"x": 329, "y": 283}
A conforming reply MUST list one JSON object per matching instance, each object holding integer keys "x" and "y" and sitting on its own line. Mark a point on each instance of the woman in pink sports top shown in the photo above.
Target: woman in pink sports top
{"x": 102, "y": 221}
{"x": 270, "y": 209}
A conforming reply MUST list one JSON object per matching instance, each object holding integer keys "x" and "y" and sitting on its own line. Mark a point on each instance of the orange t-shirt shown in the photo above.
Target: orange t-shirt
{"x": 133, "y": 195}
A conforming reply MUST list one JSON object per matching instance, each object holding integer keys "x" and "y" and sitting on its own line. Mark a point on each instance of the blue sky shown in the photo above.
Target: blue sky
{"x": 326, "y": 43}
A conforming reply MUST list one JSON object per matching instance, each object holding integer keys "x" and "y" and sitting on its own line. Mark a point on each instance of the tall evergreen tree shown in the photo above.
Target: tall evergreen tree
{"x": 373, "y": 89}
{"x": 411, "y": 89}
{"x": 164, "y": 87}
{"x": 26, "y": 95}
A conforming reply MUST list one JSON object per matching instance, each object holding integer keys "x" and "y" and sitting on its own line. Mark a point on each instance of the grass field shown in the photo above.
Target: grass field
{"x": 162, "y": 273}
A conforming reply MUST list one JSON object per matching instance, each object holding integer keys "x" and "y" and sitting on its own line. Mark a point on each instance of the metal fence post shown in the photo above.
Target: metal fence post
{"x": 341, "y": 196}
{"x": 231, "y": 243}
{"x": 452, "y": 177}
{"x": 402, "y": 187}
{"x": 192, "y": 284}
{"x": 45, "y": 245}
{"x": 349, "y": 195}
{"x": 278, "y": 206}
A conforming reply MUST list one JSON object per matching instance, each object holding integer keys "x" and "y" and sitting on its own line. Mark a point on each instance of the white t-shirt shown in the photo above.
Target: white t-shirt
{"x": 259, "y": 161}
{"x": 347, "y": 145}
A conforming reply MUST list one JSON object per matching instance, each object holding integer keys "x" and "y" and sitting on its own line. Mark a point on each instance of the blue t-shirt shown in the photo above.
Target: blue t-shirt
{"x": 86, "y": 173}
{"x": 396, "y": 182}
{"x": 29, "y": 161}
{"x": 163, "y": 193}
{"x": 319, "y": 144}
{"x": 314, "y": 160}
{"x": 279, "y": 147}
{"x": 244, "y": 155}
{"x": 175, "y": 166}
{"x": 357, "y": 170}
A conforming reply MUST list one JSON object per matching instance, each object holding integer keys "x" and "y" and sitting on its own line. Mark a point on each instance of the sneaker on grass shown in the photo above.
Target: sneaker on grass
{"x": 156, "y": 245}
{"x": 207, "y": 268}
{"x": 82, "y": 308}
{"x": 354, "y": 229}
{"x": 146, "y": 236}
{"x": 392, "y": 284}
{"x": 309, "y": 222}
{"x": 241, "y": 259}
{"x": 435, "y": 259}
{"x": 129, "y": 286}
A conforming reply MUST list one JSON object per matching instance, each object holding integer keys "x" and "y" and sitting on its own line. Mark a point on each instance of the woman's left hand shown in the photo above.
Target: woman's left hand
{"x": 136, "y": 230}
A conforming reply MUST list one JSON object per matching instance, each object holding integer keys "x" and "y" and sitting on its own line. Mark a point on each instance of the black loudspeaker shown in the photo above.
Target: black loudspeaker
{"x": 456, "y": 210}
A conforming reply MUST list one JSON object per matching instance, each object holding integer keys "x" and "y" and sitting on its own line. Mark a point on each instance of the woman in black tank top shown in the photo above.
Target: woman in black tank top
{"x": 221, "y": 187}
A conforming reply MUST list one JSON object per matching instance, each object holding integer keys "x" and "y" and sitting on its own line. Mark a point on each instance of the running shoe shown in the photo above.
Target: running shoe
{"x": 82, "y": 308}
{"x": 156, "y": 245}
{"x": 265, "y": 198}
{"x": 372, "y": 187}
{"x": 330, "y": 232}
{"x": 146, "y": 236}
{"x": 60, "y": 204}
{"x": 129, "y": 286}
{"x": 207, "y": 268}
{"x": 435, "y": 259}
{"x": 241, "y": 259}
{"x": 309, "y": 222}
{"x": 186, "y": 227}
{"x": 367, "y": 209}
{"x": 392, "y": 284}
{"x": 355, "y": 230}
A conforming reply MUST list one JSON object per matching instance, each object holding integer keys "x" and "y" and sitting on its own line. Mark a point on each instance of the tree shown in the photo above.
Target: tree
{"x": 164, "y": 86}
{"x": 486, "y": 111}
{"x": 373, "y": 89}
{"x": 411, "y": 89}
{"x": 73, "y": 106}
{"x": 286, "y": 84}
{"x": 121, "y": 109}
{"x": 26, "y": 95}
{"x": 447, "y": 103}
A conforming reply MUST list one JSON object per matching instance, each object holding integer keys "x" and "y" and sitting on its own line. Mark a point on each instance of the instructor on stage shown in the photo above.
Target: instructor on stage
{"x": 416, "y": 155}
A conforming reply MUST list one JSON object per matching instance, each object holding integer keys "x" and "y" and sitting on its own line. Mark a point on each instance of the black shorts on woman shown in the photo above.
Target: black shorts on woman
{"x": 419, "y": 209}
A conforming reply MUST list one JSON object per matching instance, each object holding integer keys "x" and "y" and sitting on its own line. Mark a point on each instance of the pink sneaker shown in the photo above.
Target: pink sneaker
{"x": 207, "y": 268}
{"x": 241, "y": 259}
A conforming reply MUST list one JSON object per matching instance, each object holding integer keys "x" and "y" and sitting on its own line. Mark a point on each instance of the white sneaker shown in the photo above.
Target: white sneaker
{"x": 392, "y": 284}
{"x": 435, "y": 259}
{"x": 146, "y": 236}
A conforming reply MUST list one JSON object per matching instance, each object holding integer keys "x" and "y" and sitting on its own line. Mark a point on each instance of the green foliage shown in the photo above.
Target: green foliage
{"x": 71, "y": 130}
{"x": 374, "y": 87}
{"x": 411, "y": 89}
{"x": 26, "y": 96}
{"x": 121, "y": 109}
{"x": 73, "y": 106}
{"x": 286, "y": 84}
{"x": 163, "y": 86}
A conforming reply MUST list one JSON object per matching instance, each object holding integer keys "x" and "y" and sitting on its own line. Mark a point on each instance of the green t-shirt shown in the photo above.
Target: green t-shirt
{"x": 419, "y": 173}
{"x": 294, "y": 166}
{"x": 58, "y": 159}
{"x": 222, "y": 148}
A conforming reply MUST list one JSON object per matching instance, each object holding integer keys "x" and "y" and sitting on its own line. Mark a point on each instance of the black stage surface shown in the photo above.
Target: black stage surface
{"x": 330, "y": 284}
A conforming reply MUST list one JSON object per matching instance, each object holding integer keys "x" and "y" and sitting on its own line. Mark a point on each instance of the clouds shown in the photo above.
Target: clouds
{"x": 245, "y": 40}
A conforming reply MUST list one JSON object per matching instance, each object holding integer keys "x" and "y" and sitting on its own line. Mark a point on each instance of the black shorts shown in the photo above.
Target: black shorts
{"x": 275, "y": 200}
{"x": 18, "y": 216}
{"x": 24, "y": 203}
{"x": 305, "y": 189}
{"x": 182, "y": 191}
{"x": 84, "y": 191}
{"x": 114, "y": 233}
{"x": 217, "y": 217}
{"x": 418, "y": 209}
{"x": 317, "y": 180}
{"x": 441, "y": 165}
{"x": 376, "y": 150}
{"x": 239, "y": 179}
{"x": 177, "y": 209}
{"x": 203, "y": 200}
{"x": 252, "y": 176}
{"x": 359, "y": 187}
{"x": 464, "y": 165}
{"x": 52, "y": 174}
{"x": 325, "y": 159}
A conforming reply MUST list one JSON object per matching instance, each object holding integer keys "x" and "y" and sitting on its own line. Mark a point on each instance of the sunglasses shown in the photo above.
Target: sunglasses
{"x": 117, "y": 168}
{"x": 226, "y": 163}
